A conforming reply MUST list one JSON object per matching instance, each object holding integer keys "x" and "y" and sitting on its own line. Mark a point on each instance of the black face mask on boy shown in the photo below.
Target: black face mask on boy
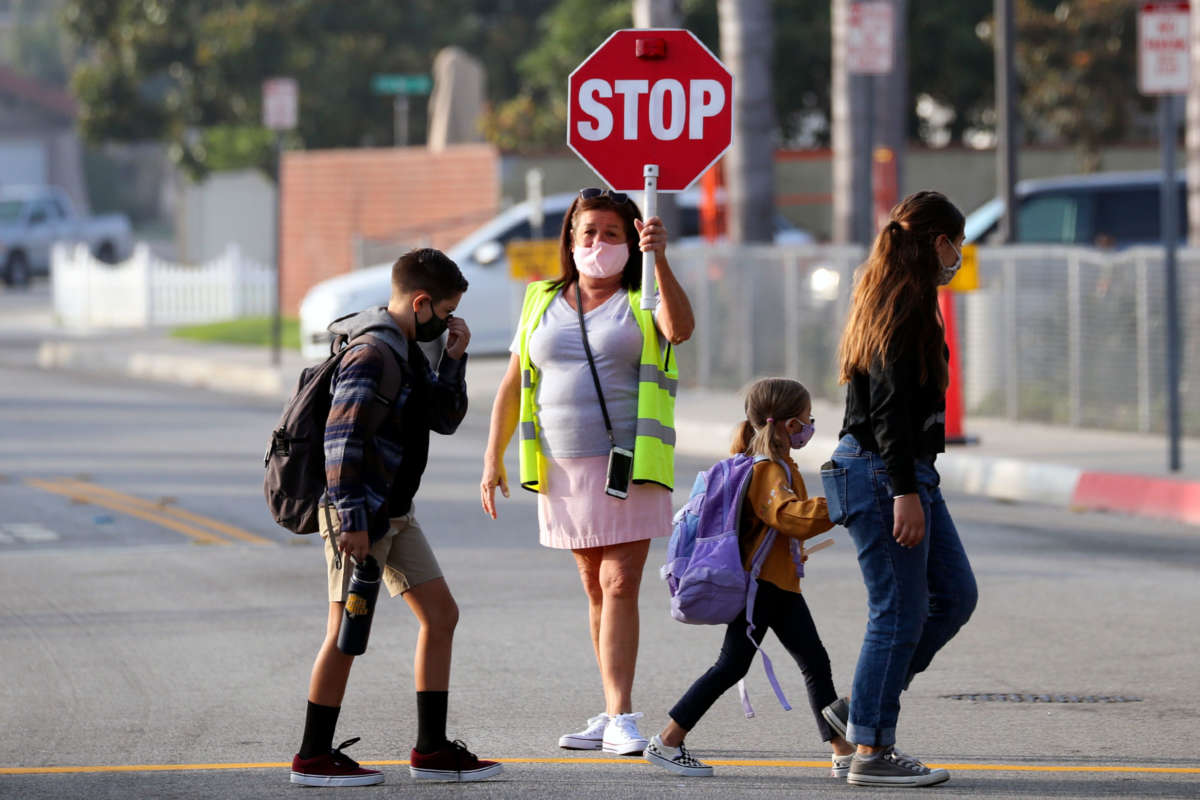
{"x": 432, "y": 328}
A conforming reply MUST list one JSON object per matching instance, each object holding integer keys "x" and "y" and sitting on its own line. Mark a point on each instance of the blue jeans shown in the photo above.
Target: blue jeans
{"x": 917, "y": 598}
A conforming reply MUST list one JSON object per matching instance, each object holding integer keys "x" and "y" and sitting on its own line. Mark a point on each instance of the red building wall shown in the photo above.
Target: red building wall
{"x": 407, "y": 194}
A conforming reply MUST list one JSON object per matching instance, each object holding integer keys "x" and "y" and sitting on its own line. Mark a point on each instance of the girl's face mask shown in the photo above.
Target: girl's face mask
{"x": 801, "y": 437}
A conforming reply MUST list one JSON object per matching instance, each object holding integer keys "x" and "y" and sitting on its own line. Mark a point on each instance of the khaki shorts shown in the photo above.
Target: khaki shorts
{"x": 403, "y": 552}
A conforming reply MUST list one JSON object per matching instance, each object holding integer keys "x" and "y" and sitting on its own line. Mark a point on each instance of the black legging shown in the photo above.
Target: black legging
{"x": 787, "y": 614}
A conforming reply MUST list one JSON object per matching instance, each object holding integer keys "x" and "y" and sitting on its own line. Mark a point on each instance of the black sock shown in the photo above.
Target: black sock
{"x": 431, "y": 721}
{"x": 319, "y": 722}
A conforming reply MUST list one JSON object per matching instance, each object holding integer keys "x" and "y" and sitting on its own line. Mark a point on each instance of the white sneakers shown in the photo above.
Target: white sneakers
{"x": 617, "y": 734}
{"x": 590, "y": 738}
{"x": 622, "y": 737}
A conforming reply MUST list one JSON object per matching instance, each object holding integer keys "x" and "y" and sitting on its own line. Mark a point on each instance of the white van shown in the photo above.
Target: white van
{"x": 492, "y": 304}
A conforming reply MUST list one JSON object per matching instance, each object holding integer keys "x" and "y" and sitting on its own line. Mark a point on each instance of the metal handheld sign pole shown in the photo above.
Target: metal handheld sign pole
{"x": 650, "y": 209}
{"x": 650, "y": 109}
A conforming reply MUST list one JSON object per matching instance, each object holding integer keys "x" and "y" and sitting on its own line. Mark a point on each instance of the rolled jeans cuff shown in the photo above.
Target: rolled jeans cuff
{"x": 870, "y": 737}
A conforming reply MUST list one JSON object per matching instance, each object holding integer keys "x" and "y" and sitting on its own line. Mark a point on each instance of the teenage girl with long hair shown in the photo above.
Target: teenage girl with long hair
{"x": 882, "y": 484}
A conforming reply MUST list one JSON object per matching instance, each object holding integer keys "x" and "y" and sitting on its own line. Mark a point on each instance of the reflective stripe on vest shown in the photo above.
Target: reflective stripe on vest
{"x": 658, "y": 382}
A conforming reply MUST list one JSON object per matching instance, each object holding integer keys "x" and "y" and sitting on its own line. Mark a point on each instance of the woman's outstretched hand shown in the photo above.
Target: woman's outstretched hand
{"x": 493, "y": 476}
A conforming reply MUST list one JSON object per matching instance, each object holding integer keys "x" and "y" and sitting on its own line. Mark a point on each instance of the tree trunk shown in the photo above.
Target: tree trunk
{"x": 849, "y": 100}
{"x": 892, "y": 101}
{"x": 1192, "y": 141}
{"x": 750, "y": 164}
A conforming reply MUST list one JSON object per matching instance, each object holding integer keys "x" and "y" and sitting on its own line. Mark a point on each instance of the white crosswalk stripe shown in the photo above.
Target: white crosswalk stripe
{"x": 26, "y": 532}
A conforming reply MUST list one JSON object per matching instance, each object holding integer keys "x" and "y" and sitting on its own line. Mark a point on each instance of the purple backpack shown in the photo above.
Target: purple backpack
{"x": 704, "y": 572}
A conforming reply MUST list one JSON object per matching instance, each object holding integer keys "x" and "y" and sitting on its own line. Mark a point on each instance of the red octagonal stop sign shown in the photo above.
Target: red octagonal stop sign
{"x": 650, "y": 96}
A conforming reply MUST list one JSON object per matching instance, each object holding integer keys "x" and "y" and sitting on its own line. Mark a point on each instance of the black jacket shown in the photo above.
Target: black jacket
{"x": 890, "y": 411}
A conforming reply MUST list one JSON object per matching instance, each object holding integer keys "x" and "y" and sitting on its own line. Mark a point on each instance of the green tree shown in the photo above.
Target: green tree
{"x": 1077, "y": 66}
{"x": 35, "y": 44}
{"x": 190, "y": 72}
{"x": 535, "y": 119}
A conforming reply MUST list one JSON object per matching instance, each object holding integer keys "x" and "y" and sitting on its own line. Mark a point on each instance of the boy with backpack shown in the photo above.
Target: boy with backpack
{"x": 385, "y": 399}
{"x": 741, "y": 564}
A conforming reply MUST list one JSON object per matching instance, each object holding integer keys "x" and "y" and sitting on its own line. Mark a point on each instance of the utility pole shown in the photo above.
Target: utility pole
{"x": 750, "y": 167}
{"x": 1006, "y": 146}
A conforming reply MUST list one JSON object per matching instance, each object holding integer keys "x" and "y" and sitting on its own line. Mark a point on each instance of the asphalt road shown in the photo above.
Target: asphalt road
{"x": 157, "y": 631}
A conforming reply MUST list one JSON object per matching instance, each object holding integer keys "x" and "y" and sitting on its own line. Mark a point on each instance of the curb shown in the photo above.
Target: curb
{"x": 193, "y": 371}
{"x": 702, "y": 436}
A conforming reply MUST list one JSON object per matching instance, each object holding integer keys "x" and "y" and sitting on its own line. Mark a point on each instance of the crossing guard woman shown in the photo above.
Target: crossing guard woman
{"x": 592, "y": 378}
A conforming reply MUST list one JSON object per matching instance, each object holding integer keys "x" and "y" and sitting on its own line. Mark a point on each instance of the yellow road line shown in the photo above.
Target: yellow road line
{"x": 198, "y": 534}
{"x": 215, "y": 525}
{"x": 1076, "y": 768}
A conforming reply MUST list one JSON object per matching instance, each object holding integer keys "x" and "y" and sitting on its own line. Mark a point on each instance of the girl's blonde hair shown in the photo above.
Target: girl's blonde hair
{"x": 776, "y": 399}
{"x": 895, "y": 309}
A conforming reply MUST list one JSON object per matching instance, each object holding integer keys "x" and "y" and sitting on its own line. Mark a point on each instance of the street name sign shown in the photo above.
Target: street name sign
{"x": 401, "y": 84}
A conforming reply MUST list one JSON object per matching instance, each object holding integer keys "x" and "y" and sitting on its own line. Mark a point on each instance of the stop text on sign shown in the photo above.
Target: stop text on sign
{"x": 671, "y": 109}
{"x": 650, "y": 96}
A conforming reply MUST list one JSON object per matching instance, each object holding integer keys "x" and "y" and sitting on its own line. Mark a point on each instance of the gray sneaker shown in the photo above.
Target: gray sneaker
{"x": 837, "y": 714}
{"x": 675, "y": 759}
{"x": 893, "y": 768}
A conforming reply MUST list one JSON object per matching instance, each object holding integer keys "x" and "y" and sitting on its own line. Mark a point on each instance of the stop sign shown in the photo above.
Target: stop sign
{"x": 650, "y": 96}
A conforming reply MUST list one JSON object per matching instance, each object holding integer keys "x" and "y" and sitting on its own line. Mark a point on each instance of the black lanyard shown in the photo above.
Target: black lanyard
{"x": 592, "y": 363}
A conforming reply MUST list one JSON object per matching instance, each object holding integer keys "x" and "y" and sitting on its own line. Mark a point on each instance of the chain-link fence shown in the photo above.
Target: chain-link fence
{"x": 1062, "y": 335}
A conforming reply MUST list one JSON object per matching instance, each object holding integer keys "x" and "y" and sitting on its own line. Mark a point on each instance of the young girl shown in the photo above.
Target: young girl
{"x": 883, "y": 486}
{"x": 778, "y": 418}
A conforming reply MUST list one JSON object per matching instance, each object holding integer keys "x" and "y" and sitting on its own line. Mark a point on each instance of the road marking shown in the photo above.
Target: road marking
{"x": 30, "y": 532}
{"x": 824, "y": 764}
{"x": 214, "y": 524}
{"x": 145, "y": 510}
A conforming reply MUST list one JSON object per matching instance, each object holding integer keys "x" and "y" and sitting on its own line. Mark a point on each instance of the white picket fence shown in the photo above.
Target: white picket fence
{"x": 147, "y": 291}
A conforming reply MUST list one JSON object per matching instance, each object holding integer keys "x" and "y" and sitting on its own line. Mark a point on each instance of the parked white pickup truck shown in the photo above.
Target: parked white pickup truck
{"x": 33, "y": 218}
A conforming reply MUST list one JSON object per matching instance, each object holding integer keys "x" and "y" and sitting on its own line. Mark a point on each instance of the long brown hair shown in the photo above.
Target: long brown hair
{"x": 768, "y": 400}
{"x": 631, "y": 277}
{"x": 895, "y": 298}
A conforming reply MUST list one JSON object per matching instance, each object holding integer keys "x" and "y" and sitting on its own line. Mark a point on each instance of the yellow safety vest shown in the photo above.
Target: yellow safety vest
{"x": 658, "y": 380}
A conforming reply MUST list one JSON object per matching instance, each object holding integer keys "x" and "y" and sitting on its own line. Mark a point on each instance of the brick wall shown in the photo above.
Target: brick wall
{"x": 406, "y": 194}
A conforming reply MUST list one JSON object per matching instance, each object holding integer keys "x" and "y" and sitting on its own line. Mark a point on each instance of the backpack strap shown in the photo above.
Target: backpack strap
{"x": 390, "y": 381}
{"x": 756, "y": 565}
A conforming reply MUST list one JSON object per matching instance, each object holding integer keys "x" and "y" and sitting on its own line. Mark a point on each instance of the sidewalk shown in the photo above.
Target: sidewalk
{"x": 1019, "y": 461}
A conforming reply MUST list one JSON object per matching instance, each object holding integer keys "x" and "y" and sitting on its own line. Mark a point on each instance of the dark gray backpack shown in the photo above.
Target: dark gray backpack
{"x": 295, "y": 457}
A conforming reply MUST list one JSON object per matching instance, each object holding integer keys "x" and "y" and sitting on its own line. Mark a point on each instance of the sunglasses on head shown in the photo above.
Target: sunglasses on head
{"x": 592, "y": 192}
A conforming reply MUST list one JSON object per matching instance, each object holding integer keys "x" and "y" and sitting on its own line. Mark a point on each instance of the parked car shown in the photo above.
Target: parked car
{"x": 493, "y": 303}
{"x": 33, "y": 218}
{"x": 1106, "y": 209}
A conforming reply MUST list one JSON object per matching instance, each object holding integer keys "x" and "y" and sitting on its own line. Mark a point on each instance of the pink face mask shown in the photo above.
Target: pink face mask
{"x": 601, "y": 260}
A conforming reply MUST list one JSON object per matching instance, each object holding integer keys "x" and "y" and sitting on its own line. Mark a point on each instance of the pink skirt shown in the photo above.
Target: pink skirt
{"x": 576, "y": 513}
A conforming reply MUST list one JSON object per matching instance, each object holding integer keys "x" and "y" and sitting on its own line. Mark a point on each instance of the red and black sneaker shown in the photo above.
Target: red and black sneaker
{"x": 453, "y": 762}
{"x": 334, "y": 768}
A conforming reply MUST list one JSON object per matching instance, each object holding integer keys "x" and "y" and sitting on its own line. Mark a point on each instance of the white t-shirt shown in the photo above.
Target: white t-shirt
{"x": 568, "y": 410}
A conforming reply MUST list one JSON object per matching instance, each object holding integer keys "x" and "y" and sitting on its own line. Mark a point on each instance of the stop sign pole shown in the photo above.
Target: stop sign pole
{"x": 650, "y": 109}
{"x": 650, "y": 209}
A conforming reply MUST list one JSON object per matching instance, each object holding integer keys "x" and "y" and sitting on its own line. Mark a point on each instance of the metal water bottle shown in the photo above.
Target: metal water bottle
{"x": 360, "y": 607}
